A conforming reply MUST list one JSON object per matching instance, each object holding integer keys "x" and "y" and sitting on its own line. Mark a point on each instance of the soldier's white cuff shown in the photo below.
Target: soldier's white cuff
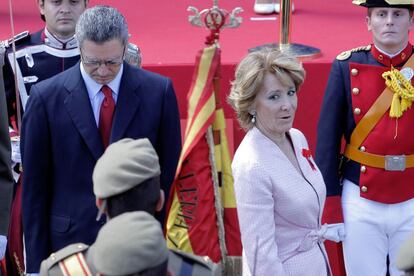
{"x": 3, "y": 245}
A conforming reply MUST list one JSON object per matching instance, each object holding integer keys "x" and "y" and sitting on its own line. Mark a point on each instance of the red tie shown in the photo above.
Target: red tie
{"x": 106, "y": 114}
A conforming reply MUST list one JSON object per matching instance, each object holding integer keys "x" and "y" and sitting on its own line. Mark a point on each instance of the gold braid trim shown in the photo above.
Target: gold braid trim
{"x": 403, "y": 92}
{"x": 347, "y": 54}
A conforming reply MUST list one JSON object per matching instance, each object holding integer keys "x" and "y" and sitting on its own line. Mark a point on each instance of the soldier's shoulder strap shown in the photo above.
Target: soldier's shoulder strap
{"x": 133, "y": 55}
{"x": 63, "y": 255}
{"x": 347, "y": 54}
{"x": 179, "y": 261}
{"x": 19, "y": 38}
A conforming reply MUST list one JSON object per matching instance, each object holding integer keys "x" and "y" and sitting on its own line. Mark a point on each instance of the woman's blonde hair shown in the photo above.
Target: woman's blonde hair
{"x": 250, "y": 75}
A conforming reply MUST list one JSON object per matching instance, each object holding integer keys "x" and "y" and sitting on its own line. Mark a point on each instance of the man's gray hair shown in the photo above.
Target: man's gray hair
{"x": 101, "y": 24}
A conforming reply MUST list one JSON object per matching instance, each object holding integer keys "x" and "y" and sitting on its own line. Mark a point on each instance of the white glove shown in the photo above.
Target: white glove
{"x": 15, "y": 150}
{"x": 334, "y": 232}
{"x": 3, "y": 245}
{"x": 32, "y": 274}
{"x": 15, "y": 146}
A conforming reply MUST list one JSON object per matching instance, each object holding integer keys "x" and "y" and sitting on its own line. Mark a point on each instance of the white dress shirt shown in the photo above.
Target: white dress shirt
{"x": 96, "y": 96}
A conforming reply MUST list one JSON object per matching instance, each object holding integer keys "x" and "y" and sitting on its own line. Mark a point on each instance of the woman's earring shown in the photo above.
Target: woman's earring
{"x": 253, "y": 117}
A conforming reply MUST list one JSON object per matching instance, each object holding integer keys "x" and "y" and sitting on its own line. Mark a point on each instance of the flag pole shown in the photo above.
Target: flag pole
{"x": 215, "y": 20}
{"x": 302, "y": 52}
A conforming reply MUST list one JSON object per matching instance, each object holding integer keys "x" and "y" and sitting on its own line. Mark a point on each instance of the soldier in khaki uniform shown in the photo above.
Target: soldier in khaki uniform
{"x": 126, "y": 179}
{"x": 113, "y": 253}
{"x": 128, "y": 170}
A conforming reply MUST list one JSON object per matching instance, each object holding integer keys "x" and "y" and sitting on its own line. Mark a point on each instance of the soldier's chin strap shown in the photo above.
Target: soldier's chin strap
{"x": 101, "y": 204}
{"x": 18, "y": 107}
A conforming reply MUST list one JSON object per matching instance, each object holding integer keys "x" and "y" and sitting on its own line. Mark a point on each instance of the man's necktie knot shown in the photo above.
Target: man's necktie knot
{"x": 107, "y": 91}
{"x": 108, "y": 94}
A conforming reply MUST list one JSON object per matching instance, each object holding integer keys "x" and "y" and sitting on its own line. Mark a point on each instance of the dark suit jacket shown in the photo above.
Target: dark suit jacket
{"x": 61, "y": 144}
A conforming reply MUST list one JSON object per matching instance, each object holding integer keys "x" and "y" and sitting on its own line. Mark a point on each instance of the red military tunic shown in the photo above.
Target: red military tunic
{"x": 355, "y": 82}
{"x": 390, "y": 136}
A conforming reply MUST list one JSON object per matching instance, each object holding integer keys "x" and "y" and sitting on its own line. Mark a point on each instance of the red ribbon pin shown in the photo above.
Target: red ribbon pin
{"x": 308, "y": 155}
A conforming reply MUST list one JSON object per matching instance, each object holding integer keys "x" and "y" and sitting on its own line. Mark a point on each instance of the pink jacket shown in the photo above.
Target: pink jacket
{"x": 279, "y": 209}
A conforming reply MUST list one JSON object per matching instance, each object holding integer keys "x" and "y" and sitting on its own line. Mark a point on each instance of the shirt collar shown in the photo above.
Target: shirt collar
{"x": 54, "y": 42}
{"x": 94, "y": 88}
{"x": 393, "y": 60}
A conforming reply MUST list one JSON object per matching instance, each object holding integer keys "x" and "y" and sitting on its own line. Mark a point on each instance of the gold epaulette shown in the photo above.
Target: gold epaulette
{"x": 345, "y": 55}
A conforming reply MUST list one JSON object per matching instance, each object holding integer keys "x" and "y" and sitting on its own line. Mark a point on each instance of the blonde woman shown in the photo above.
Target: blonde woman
{"x": 280, "y": 191}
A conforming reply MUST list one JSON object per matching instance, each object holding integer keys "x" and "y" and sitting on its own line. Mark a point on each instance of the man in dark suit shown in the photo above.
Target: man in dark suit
{"x": 69, "y": 121}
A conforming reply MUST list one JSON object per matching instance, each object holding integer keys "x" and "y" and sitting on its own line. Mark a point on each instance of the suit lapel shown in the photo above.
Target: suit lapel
{"x": 127, "y": 103}
{"x": 78, "y": 105}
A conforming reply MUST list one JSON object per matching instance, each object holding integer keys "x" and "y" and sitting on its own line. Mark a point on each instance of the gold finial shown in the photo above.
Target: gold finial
{"x": 214, "y": 19}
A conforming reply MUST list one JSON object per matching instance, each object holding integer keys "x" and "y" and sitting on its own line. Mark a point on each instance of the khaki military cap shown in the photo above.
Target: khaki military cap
{"x": 124, "y": 165}
{"x": 128, "y": 244}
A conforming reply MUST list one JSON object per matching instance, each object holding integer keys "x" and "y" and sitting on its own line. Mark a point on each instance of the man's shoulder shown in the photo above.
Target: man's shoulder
{"x": 22, "y": 40}
{"x": 143, "y": 73}
{"x": 19, "y": 39}
{"x": 145, "y": 78}
{"x": 151, "y": 75}
{"x": 354, "y": 53}
{"x": 62, "y": 254}
{"x": 200, "y": 265}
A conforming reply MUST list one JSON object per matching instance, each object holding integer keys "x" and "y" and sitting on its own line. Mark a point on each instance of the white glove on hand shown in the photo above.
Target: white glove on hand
{"x": 335, "y": 232}
{"x": 15, "y": 146}
{"x": 15, "y": 151}
{"x": 3, "y": 245}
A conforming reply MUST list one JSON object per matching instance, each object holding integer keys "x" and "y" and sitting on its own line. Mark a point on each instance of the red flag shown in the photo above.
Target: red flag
{"x": 202, "y": 218}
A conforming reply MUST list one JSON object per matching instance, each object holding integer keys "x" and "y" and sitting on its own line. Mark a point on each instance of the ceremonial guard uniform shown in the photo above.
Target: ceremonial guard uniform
{"x": 367, "y": 103}
{"x": 354, "y": 84}
{"x": 6, "y": 180}
{"x": 38, "y": 56}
